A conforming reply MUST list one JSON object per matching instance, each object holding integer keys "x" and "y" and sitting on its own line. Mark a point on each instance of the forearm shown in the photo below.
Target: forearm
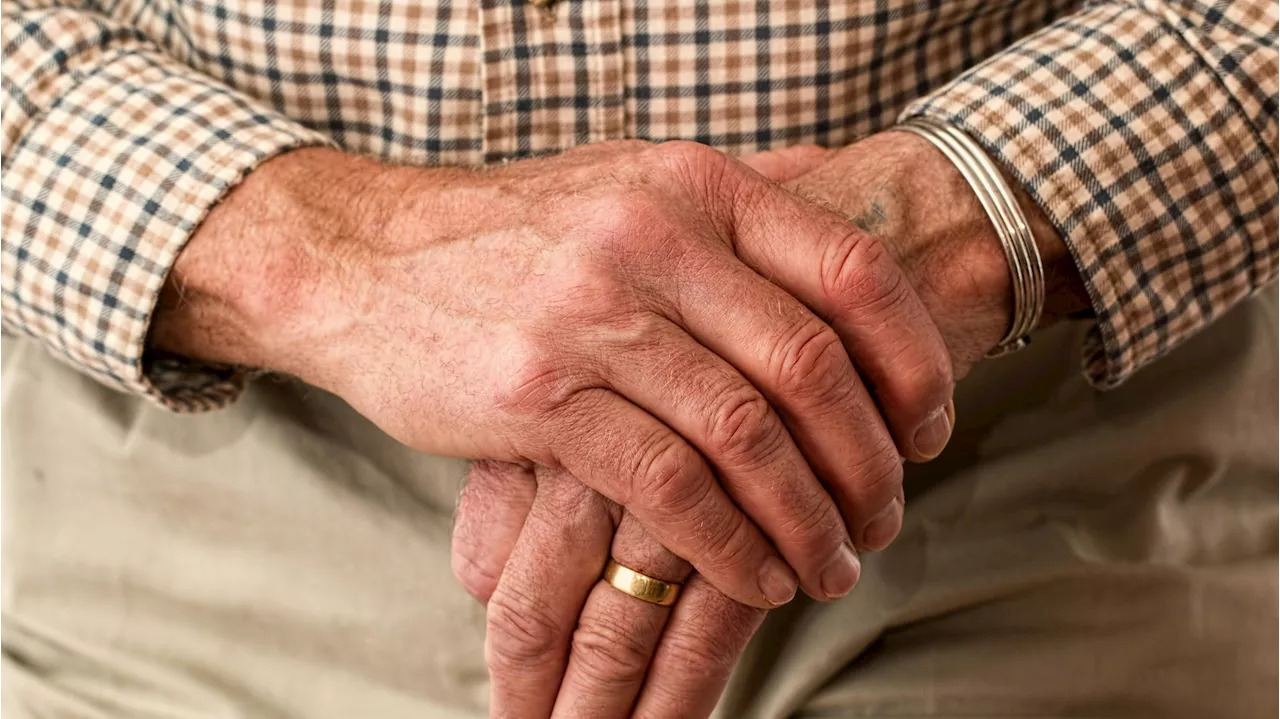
{"x": 261, "y": 281}
{"x": 113, "y": 152}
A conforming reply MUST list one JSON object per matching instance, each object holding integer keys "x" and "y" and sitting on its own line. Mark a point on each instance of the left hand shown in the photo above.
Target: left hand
{"x": 531, "y": 545}
{"x": 559, "y": 638}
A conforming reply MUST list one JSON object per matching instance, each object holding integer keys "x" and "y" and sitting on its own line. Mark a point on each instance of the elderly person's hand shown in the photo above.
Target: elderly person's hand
{"x": 563, "y": 642}
{"x": 533, "y": 549}
{"x": 659, "y": 320}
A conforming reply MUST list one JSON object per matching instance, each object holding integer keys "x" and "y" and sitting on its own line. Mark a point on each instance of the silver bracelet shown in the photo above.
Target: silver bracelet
{"x": 1011, "y": 225}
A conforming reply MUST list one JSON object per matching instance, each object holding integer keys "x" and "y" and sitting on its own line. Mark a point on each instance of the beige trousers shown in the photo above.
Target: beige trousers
{"x": 1072, "y": 554}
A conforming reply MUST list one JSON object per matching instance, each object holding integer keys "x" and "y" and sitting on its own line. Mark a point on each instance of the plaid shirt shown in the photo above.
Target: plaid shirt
{"x": 1147, "y": 130}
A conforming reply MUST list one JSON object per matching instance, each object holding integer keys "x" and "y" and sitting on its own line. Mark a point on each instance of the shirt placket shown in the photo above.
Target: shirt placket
{"x": 553, "y": 76}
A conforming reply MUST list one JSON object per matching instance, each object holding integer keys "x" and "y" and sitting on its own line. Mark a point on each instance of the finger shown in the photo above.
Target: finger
{"x": 800, "y": 365}
{"x": 617, "y": 633}
{"x": 703, "y": 398}
{"x": 847, "y": 277}
{"x": 704, "y": 638}
{"x": 496, "y": 498}
{"x": 788, "y": 163}
{"x": 630, "y": 457}
{"x": 532, "y": 613}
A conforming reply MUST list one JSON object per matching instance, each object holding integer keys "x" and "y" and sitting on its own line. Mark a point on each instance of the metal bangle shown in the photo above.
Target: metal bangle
{"x": 1029, "y": 265}
{"x": 1014, "y": 232}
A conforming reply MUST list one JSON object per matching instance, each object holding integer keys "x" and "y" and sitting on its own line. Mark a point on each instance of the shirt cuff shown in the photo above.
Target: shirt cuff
{"x": 103, "y": 190}
{"x": 1145, "y": 161}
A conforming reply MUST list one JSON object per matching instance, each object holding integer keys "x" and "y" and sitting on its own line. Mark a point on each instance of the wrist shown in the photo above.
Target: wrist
{"x": 259, "y": 283}
{"x": 900, "y": 188}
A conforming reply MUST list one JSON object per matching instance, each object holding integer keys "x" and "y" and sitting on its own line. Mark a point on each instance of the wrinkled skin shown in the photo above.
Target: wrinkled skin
{"x": 585, "y": 649}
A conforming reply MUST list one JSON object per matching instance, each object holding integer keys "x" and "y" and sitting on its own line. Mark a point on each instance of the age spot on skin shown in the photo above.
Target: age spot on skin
{"x": 871, "y": 219}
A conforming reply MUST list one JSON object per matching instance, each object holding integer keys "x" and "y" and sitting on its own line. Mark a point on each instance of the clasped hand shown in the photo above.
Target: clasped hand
{"x": 662, "y": 322}
{"x": 679, "y": 358}
{"x": 562, "y": 642}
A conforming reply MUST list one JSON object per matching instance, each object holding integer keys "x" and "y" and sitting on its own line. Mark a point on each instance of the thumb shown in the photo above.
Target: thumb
{"x": 495, "y": 500}
{"x": 788, "y": 163}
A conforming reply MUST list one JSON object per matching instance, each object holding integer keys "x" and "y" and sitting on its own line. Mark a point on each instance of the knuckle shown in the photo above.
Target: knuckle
{"x": 811, "y": 361}
{"x": 608, "y": 655}
{"x": 645, "y": 333}
{"x": 818, "y": 525}
{"x": 539, "y": 383}
{"x": 629, "y": 146}
{"x": 883, "y": 293}
{"x": 857, "y": 272}
{"x": 669, "y": 477}
{"x": 584, "y": 286}
{"x": 927, "y": 383}
{"x": 520, "y": 632}
{"x": 699, "y": 166}
{"x": 727, "y": 547}
{"x": 574, "y": 505}
{"x": 703, "y": 653}
{"x": 937, "y": 370}
{"x": 688, "y": 151}
{"x": 878, "y": 477}
{"x": 634, "y": 229}
{"x": 743, "y": 431}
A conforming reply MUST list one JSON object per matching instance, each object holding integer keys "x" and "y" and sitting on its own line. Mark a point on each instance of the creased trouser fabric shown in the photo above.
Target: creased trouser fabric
{"x": 1072, "y": 554}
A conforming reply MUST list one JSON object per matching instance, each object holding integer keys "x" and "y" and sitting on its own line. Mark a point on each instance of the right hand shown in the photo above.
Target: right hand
{"x": 646, "y": 317}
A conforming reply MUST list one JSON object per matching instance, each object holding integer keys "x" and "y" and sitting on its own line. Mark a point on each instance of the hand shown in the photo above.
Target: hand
{"x": 944, "y": 246}
{"x": 606, "y": 312}
{"x": 531, "y": 546}
{"x": 899, "y": 188}
{"x": 562, "y": 642}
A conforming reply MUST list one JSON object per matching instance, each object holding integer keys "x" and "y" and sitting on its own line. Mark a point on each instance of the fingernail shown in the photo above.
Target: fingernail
{"x": 883, "y": 528}
{"x": 777, "y": 582}
{"x": 934, "y": 434}
{"x": 841, "y": 574}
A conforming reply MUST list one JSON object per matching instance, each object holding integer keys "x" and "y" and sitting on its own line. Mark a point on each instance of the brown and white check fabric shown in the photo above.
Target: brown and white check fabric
{"x": 1147, "y": 130}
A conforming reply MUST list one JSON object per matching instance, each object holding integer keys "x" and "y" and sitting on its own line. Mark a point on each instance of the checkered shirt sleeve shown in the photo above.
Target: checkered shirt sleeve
{"x": 113, "y": 153}
{"x": 1147, "y": 132}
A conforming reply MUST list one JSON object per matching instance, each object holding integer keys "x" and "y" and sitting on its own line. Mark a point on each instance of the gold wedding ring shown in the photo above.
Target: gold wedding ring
{"x": 641, "y": 586}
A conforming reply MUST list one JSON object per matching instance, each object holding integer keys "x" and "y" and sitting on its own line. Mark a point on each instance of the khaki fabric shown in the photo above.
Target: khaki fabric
{"x": 1072, "y": 554}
